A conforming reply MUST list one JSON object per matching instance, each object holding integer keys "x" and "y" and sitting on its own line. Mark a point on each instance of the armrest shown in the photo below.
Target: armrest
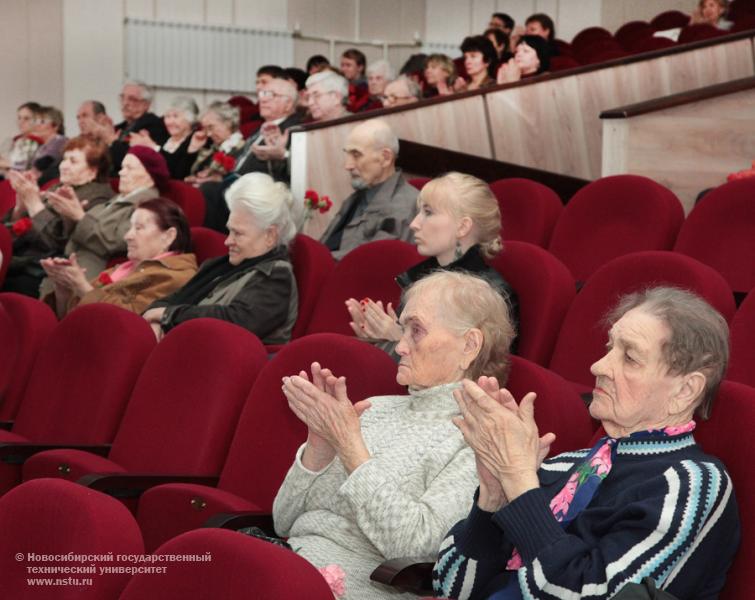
{"x": 406, "y": 574}
{"x": 133, "y": 485}
{"x": 242, "y": 519}
{"x": 7, "y": 425}
{"x": 16, "y": 453}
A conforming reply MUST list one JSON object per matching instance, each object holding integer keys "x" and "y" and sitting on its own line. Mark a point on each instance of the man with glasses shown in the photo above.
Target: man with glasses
{"x": 265, "y": 150}
{"x": 135, "y": 98}
{"x": 327, "y": 94}
{"x": 401, "y": 91}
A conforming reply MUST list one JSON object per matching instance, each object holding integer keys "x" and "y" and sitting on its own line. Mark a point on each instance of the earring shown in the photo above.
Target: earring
{"x": 457, "y": 251}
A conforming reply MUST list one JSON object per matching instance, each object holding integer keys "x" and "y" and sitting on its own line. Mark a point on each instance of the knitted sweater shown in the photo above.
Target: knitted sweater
{"x": 666, "y": 510}
{"x": 418, "y": 482}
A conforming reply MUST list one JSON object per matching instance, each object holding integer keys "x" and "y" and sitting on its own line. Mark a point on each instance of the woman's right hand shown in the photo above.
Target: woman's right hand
{"x": 198, "y": 140}
{"x": 509, "y": 72}
{"x": 371, "y": 321}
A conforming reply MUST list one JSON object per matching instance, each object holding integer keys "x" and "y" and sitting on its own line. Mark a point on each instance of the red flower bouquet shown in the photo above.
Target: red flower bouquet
{"x": 105, "y": 278}
{"x": 21, "y": 226}
{"x": 222, "y": 163}
{"x": 313, "y": 201}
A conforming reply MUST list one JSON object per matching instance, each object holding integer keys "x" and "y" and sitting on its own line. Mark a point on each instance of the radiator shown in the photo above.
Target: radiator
{"x": 203, "y": 57}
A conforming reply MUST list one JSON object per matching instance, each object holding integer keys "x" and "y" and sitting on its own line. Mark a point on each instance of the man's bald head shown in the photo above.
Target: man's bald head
{"x": 370, "y": 153}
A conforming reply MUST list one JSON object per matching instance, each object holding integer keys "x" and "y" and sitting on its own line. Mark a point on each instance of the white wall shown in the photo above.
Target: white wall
{"x": 61, "y": 52}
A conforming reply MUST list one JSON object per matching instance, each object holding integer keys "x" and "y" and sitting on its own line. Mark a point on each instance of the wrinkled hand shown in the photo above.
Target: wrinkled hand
{"x": 27, "y": 192}
{"x": 65, "y": 201}
{"x": 509, "y": 72}
{"x": 371, "y": 321}
{"x": 141, "y": 138}
{"x": 68, "y": 274}
{"x": 331, "y": 416}
{"x": 504, "y": 437}
{"x": 272, "y": 151}
{"x": 198, "y": 140}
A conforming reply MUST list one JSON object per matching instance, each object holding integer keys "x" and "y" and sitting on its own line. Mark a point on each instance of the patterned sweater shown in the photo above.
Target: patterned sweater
{"x": 401, "y": 502}
{"x": 666, "y": 510}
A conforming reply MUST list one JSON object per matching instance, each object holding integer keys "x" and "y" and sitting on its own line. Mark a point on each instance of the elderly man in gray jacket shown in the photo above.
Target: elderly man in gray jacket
{"x": 383, "y": 204}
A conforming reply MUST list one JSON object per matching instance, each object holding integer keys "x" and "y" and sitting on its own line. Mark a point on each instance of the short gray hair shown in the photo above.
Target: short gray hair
{"x": 270, "y": 203}
{"x": 381, "y": 66}
{"x": 187, "y": 106}
{"x": 699, "y": 339}
{"x": 411, "y": 86}
{"x": 148, "y": 93}
{"x": 466, "y": 302}
{"x": 330, "y": 82}
{"x": 383, "y": 135}
{"x": 225, "y": 112}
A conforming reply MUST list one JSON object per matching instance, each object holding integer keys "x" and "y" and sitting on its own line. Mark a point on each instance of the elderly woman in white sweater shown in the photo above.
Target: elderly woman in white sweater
{"x": 387, "y": 477}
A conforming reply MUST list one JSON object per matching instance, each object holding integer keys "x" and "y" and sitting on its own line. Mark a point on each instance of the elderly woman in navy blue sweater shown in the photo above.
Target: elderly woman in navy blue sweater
{"x": 645, "y": 501}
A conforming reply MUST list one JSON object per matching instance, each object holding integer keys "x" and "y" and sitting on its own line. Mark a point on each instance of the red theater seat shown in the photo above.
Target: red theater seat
{"x": 6, "y": 252}
{"x": 190, "y": 199}
{"x": 267, "y": 437}
{"x": 240, "y": 567}
{"x": 670, "y": 19}
{"x": 50, "y": 517}
{"x": 312, "y": 263}
{"x": 207, "y": 243}
{"x": 610, "y": 217}
{"x": 529, "y": 210}
{"x": 742, "y": 359}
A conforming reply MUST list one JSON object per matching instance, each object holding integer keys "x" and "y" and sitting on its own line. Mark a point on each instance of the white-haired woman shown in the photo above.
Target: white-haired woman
{"x": 379, "y": 73}
{"x": 327, "y": 94}
{"x": 219, "y": 134}
{"x": 458, "y": 226}
{"x": 254, "y": 285}
{"x": 382, "y": 479}
{"x": 180, "y": 119}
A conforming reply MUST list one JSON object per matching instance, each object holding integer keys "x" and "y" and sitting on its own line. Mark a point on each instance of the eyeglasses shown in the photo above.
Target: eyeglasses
{"x": 270, "y": 94}
{"x": 394, "y": 98}
{"x": 124, "y": 98}
{"x": 315, "y": 96}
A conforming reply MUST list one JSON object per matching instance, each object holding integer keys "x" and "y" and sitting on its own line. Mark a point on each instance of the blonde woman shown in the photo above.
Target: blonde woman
{"x": 457, "y": 227}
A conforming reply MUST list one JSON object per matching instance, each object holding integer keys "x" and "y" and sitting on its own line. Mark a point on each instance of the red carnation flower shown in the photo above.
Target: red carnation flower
{"x": 105, "y": 278}
{"x": 325, "y": 204}
{"x": 21, "y": 226}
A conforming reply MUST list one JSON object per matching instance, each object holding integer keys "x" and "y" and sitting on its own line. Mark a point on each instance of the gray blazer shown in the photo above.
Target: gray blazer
{"x": 386, "y": 217}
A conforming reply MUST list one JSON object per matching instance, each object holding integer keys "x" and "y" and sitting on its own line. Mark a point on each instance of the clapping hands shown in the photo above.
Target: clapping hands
{"x": 370, "y": 321}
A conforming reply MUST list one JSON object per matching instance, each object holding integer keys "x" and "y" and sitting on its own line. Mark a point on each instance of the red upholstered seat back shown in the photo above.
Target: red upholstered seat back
{"x": 742, "y": 359}
{"x": 545, "y": 289}
{"x": 582, "y": 338}
{"x": 7, "y": 196}
{"x": 207, "y": 243}
{"x": 558, "y": 407}
{"x": 720, "y": 231}
{"x": 701, "y": 31}
{"x": 240, "y": 567}
{"x": 588, "y": 36}
{"x": 631, "y": 32}
{"x": 55, "y": 517}
{"x": 269, "y": 434}
{"x": 370, "y": 271}
{"x": 83, "y": 376}
{"x": 186, "y": 402}
{"x": 669, "y": 19}
{"x": 8, "y": 348}
{"x": 312, "y": 264}
{"x": 614, "y": 216}
{"x": 728, "y": 436}
{"x": 529, "y": 210}
{"x": 33, "y": 321}
{"x": 6, "y": 252}
{"x": 190, "y": 199}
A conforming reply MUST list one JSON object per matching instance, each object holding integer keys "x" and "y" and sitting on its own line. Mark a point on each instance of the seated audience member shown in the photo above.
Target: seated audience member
{"x": 41, "y": 222}
{"x": 458, "y": 226}
{"x": 327, "y": 95}
{"x": 49, "y": 129}
{"x": 479, "y": 61}
{"x": 711, "y": 12}
{"x": 97, "y": 234}
{"x": 254, "y": 285}
{"x": 440, "y": 77}
{"x": 136, "y": 99}
{"x": 500, "y": 42}
{"x": 353, "y": 65}
{"x": 159, "y": 262}
{"x": 266, "y": 74}
{"x": 264, "y": 151}
{"x": 542, "y": 25}
{"x": 401, "y": 91}
{"x": 532, "y": 57}
{"x": 218, "y": 133}
{"x": 91, "y": 117}
{"x": 383, "y": 478}
{"x": 18, "y": 152}
{"x": 501, "y": 21}
{"x": 299, "y": 78}
{"x": 644, "y": 502}
{"x": 383, "y": 203}
{"x": 180, "y": 119}
{"x": 414, "y": 68}
{"x": 379, "y": 73}
{"x": 316, "y": 63}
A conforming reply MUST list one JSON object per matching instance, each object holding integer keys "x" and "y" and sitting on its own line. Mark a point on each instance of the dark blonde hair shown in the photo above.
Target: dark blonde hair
{"x": 467, "y": 196}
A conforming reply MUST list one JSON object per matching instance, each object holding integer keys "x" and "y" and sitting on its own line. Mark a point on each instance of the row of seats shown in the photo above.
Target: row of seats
{"x": 616, "y": 215}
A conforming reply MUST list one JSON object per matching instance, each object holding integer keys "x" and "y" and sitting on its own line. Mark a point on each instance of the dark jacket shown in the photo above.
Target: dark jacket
{"x": 247, "y": 162}
{"x": 258, "y": 294}
{"x": 118, "y": 149}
